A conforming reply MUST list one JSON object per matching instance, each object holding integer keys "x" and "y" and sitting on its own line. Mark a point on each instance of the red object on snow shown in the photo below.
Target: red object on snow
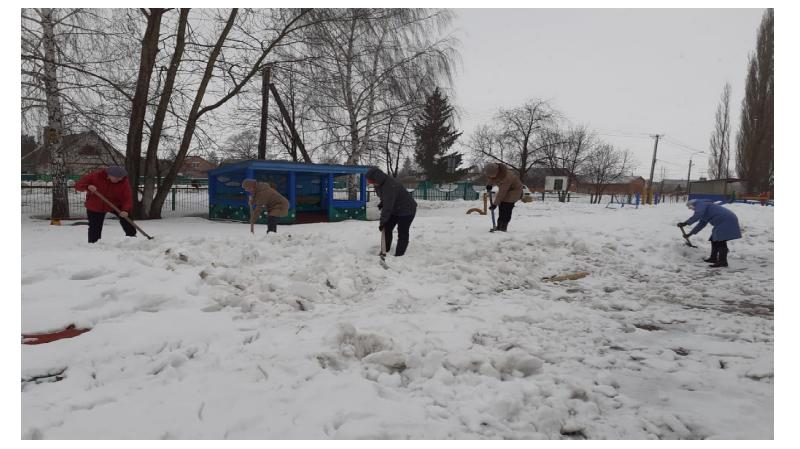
{"x": 37, "y": 339}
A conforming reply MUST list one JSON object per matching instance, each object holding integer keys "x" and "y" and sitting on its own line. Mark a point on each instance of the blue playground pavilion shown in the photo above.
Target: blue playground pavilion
{"x": 316, "y": 192}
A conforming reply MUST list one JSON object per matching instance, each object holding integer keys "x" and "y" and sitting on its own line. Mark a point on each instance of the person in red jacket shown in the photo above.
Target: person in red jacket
{"x": 112, "y": 183}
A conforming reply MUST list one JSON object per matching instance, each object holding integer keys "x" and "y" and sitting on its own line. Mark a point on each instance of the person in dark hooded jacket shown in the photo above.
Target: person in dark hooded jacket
{"x": 725, "y": 227}
{"x": 397, "y": 208}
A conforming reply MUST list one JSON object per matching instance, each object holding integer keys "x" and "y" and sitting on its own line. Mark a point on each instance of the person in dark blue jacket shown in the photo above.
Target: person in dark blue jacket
{"x": 725, "y": 227}
{"x": 397, "y": 206}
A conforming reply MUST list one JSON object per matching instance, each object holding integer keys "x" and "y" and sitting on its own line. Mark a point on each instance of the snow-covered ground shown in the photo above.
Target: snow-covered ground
{"x": 210, "y": 332}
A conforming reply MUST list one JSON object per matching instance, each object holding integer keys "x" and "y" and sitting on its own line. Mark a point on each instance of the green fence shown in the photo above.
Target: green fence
{"x": 179, "y": 181}
{"x": 182, "y": 201}
{"x": 427, "y": 191}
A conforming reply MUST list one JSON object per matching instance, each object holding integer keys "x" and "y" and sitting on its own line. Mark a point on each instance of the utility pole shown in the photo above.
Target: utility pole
{"x": 266, "y": 76}
{"x": 689, "y": 176}
{"x": 652, "y": 169}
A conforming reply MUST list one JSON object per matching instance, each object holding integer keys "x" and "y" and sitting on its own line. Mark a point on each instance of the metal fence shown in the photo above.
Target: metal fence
{"x": 37, "y": 200}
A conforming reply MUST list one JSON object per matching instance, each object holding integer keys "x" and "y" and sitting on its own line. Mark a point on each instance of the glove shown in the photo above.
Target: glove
{"x": 488, "y": 188}
{"x": 681, "y": 224}
{"x": 380, "y": 227}
{"x": 380, "y": 206}
{"x": 493, "y": 207}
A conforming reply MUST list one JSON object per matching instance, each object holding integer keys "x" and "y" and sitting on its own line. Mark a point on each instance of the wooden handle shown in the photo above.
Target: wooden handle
{"x": 119, "y": 212}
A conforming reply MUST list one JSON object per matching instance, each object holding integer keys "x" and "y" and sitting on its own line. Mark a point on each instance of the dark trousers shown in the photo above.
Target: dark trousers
{"x": 505, "y": 215}
{"x": 96, "y": 220}
{"x": 403, "y": 224}
{"x": 272, "y": 224}
{"x": 719, "y": 251}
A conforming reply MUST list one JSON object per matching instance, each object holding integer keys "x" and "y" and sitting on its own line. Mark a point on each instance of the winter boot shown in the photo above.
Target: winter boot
{"x": 714, "y": 253}
{"x": 272, "y": 224}
{"x": 502, "y": 226}
{"x": 723, "y": 257}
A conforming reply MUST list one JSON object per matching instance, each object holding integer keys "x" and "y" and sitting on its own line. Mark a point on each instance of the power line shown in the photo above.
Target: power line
{"x": 668, "y": 162}
{"x": 681, "y": 145}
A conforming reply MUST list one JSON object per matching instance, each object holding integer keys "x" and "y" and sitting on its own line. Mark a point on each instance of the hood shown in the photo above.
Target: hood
{"x": 377, "y": 175}
{"x": 248, "y": 184}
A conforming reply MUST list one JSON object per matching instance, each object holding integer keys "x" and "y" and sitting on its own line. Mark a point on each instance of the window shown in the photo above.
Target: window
{"x": 347, "y": 187}
{"x": 558, "y": 184}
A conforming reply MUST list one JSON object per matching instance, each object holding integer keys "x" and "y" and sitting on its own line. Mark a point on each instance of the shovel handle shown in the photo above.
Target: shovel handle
{"x": 119, "y": 212}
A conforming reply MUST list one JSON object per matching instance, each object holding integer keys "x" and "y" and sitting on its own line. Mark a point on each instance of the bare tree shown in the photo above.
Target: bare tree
{"x": 518, "y": 137}
{"x": 720, "y": 141}
{"x": 238, "y": 70}
{"x": 58, "y": 162}
{"x": 603, "y": 166}
{"x": 243, "y": 145}
{"x": 369, "y": 63}
{"x": 567, "y": 151}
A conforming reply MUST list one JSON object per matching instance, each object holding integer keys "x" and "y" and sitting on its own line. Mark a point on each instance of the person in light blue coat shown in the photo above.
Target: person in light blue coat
{"x": 725, "y": 227}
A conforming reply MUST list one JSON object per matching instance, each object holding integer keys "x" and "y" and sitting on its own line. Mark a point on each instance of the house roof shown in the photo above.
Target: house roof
{"x": 69, "y": 141}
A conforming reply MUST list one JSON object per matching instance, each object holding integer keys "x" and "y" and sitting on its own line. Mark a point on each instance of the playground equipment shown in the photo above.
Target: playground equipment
{"x": 479, "y": 210}
{"x": 622, "y": 200}
{"x": 316, "y": 192}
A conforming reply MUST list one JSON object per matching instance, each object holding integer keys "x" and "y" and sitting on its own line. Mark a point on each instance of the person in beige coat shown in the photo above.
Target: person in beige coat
{"x": 265, "y": 197}
{"x": 509, "y": 191}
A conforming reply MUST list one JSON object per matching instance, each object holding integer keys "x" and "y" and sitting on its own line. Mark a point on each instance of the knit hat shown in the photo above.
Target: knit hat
{"x": 248, "y": 183}
{"x": 116, "y": 171}
{"x": 491, "y": 170}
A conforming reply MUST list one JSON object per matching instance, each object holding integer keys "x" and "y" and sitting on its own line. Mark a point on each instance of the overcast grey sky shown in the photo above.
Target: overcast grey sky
{"x": 631, "y": 71}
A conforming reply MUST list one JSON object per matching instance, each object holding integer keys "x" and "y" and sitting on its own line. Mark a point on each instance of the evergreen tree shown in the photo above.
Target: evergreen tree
{"x": 407, "y": 168}
{"x": 755, "y": 140}
{"x": 435, "y": 135}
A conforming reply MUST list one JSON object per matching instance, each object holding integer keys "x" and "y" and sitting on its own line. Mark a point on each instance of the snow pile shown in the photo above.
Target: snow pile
{"x": 210, "y": 332}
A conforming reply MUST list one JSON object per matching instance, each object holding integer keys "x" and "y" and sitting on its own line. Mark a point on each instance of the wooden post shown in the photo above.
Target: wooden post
{"x": 266, "y": 76}
{"x": 288, "y": 119}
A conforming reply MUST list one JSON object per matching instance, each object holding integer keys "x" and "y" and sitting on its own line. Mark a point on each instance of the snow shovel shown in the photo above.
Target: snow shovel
{"x": 686, "y": 238}
{"x": 119, "y": 212}
{"x": 491, "y": 204}
{"x": 252, "y": 220}
{"x": 383, "y": 250}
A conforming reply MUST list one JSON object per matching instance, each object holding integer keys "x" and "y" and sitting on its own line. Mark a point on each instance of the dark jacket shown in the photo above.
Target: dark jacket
{"x": 395, "y": 198}
{"x": 119, "y": 194}
{"x": 726, "y": 225}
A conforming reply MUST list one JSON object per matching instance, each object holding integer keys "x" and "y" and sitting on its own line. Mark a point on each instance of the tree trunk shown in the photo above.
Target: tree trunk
{"x": 151, "y": 160}
{"x": 191, "y": 122}
{"x": 55, "y": 121}
{"x": 133, "y": 151}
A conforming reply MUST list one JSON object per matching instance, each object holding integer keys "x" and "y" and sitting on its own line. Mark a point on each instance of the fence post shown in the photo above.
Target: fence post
{"x": 174, "y": 190}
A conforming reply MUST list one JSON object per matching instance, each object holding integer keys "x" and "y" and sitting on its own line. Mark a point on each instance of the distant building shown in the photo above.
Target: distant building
{"x": 549, "y": 179}
{"x": 85, "y": 152}
{"x": 196, "y": 167}
{"x": 670, "y": 186}
{"x": 715, "y": 189}
{"x": 625, "y": 185}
